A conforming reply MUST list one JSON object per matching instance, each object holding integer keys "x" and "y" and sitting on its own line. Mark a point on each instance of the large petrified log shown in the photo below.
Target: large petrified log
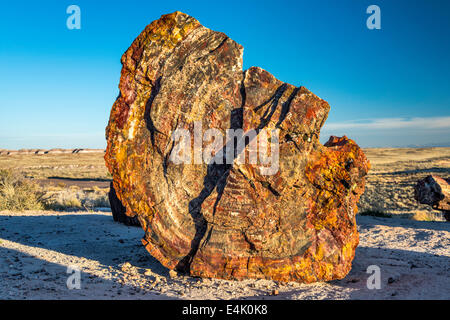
{"x": 231, "y": 220}
{"x": 434, "y": 191}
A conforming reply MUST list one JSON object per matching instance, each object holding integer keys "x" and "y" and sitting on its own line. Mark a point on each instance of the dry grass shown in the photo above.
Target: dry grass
{"x": 421, "y": 215}
{"x": 41, "y": 166}
{"x": 25, "y": 194}
{"x": 76, "y": 198}
{"x": 389, "y": 185}
{"x": 18, "y": 193}
{"x": 391, "y": 180}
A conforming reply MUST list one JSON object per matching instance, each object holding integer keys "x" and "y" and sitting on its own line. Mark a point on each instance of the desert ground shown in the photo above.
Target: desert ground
{"x": 69, "y": 225}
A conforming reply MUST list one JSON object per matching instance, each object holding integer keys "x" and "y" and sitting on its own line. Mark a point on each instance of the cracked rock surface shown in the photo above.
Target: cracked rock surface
{"x": 434, "y": 191}
{"x": 229, "y": 220}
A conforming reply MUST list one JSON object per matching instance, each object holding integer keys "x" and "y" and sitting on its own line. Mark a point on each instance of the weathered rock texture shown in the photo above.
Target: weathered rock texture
{"x": 118, "y": 210}
{"x": 229, "y": 221}
{"x": 434, "y": 191}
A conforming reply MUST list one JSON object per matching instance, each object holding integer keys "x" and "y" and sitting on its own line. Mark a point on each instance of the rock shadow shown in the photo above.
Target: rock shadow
{"x": 29, "y": 277}
{"x": 72, "y": 234}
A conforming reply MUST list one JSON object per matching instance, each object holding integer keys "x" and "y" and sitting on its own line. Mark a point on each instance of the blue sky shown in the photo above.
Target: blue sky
{"x": 388, "y": 87}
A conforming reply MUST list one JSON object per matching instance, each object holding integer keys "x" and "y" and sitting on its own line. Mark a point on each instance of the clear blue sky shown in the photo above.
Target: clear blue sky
{"x": 388, "y": 87}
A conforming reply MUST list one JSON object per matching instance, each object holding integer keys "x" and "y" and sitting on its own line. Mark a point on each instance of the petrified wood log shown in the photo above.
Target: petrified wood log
{"x": 434, "y": 191}
{"x": 229, "y": 220}
{"x": 118, "y": 210}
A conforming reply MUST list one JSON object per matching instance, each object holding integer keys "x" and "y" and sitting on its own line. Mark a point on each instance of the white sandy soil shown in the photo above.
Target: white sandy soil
{"x": 37, "y": 247}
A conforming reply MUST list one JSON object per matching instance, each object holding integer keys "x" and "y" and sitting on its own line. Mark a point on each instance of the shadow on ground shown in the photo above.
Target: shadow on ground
{"x": 405, "y": 273}
{"x": 93, "y": 236}
{"x": 368, "y": 221}
{"x": 414, "y": 171}
{"x": 30, "y": 278}
{"x": 79, "y": 182}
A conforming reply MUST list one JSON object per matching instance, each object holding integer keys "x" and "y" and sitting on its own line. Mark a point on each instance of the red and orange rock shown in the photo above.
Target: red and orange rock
{"x": 229, "y": 221}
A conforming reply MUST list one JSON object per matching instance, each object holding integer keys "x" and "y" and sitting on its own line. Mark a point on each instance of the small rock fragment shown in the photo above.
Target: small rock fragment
{"x": 434, "y": 191}
{"x": 148, "y": 272}
{"x": 173, "y": 274}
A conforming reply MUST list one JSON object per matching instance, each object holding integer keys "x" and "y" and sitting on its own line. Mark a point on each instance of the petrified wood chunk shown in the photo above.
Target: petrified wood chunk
{"x": 118, "y": 210}
{"x": 434, "y": 191}
{"x": 230, "y": 220}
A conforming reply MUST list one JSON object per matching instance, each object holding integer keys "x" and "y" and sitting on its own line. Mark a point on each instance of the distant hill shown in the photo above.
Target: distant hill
{"x": 428, "y": 145}
{"x": 50, "y": 151}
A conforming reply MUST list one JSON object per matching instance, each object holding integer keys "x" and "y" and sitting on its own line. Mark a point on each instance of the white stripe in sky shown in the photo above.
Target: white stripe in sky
{"x": 391, "y": 123}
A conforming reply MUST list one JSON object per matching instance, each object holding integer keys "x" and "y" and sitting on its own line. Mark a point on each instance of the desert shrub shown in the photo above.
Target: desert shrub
{"x": 61, "y": 185}
{"x": 422, "y": 215}
{"x": 98, "y": 201}
{"x": 75, "y": 198}
{"x": 18, "y": 193}
{"x": 62, "y": 200}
